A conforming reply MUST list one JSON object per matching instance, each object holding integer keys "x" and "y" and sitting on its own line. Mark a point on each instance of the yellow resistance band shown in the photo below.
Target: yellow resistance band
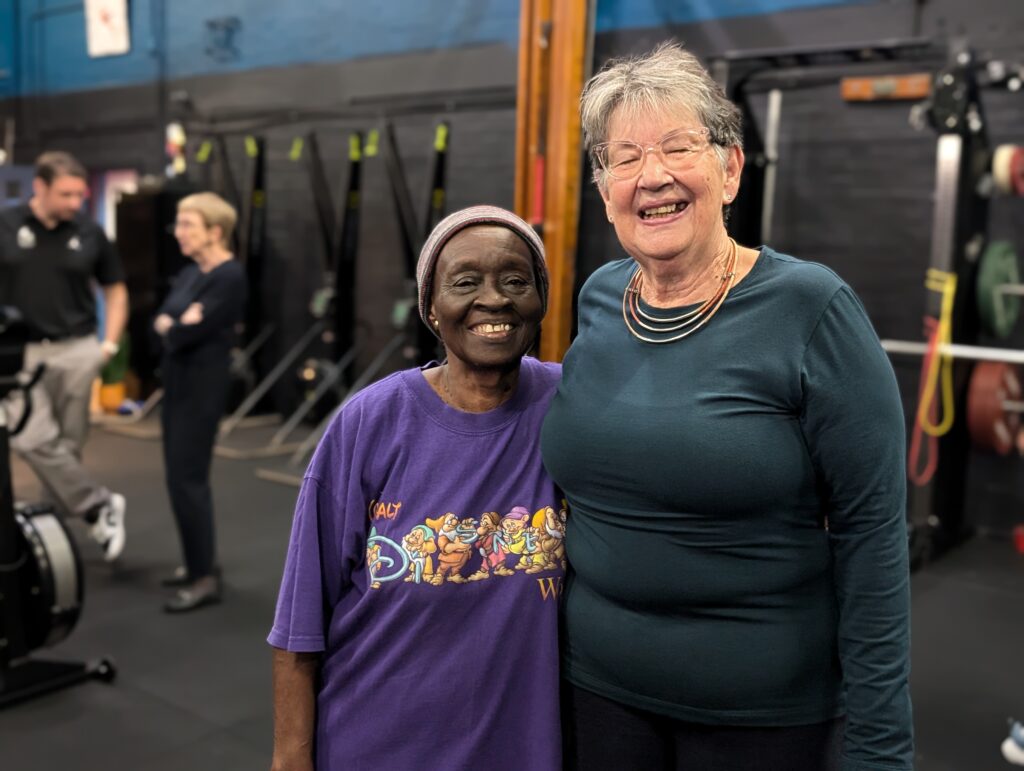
{"x": 945, "y": 283}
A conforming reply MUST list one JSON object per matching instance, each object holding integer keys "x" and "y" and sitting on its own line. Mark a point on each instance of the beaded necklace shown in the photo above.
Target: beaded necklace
{"x": 689, "y": 322}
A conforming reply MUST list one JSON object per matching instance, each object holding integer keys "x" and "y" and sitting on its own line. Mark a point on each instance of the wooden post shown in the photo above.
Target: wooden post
{"x": 552, "y": 68}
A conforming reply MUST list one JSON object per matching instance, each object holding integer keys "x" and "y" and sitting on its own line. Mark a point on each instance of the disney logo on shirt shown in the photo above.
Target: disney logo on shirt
{"x": 450, "y": 549}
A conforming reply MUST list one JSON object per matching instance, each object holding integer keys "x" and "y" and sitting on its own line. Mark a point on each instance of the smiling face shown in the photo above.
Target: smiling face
{"x": 662, "y": 214}
{"x": 414, "y": 540}
{"x": 485, "y": 298}
{"x": 513, "y": 526}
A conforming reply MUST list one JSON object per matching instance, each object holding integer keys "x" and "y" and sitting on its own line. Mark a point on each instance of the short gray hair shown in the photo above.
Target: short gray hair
{"x": 667, "y": 77}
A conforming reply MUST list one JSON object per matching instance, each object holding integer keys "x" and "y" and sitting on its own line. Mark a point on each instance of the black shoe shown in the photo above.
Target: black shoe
{"x": 179, "y": 578}
{"x": 205, "y": 591}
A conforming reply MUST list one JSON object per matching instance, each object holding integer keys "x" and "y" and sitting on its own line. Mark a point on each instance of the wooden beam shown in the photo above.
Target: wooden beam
{"x": 531, "y": 96}
{"x": 553, "y": 48}
{"x": 563, "y": 169}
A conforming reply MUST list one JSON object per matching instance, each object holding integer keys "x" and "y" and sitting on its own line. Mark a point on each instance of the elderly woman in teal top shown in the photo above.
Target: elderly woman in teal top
{"x": 729, "y": 435}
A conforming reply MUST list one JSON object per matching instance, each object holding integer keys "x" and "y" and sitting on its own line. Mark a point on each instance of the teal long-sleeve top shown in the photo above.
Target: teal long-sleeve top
{"x": 736, "y": 532}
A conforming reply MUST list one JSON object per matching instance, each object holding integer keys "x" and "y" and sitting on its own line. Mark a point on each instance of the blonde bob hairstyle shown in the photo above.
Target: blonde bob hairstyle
{"x": 214, "y": 210}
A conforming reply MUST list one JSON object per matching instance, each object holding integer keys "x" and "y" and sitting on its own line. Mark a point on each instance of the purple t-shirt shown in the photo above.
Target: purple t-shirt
{"x": 426, "y": 561}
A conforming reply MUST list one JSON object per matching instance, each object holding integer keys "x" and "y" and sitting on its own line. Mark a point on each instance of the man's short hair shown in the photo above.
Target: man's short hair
{"x": 55, "y": 164}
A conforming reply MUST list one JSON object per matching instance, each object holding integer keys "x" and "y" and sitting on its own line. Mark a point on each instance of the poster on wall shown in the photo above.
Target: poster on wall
{"x": 106, "y": 27}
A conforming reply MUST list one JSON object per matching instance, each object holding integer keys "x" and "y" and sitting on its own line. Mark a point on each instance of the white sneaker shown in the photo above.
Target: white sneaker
{"x": 1013, "y": 748}
{"x": 108, "y": 530}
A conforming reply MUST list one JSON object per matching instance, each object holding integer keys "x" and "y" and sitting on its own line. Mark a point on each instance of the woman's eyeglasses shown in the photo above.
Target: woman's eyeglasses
{"x": 678, "y": 151}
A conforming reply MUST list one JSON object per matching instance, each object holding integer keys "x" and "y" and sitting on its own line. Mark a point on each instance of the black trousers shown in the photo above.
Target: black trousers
{"x": 604, "y": 735}
{"x": 195, "y": 392}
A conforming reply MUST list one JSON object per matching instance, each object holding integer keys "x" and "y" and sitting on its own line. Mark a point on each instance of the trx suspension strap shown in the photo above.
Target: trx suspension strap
{"x": 255, "y": 236}
{"x": 347, "y": 246}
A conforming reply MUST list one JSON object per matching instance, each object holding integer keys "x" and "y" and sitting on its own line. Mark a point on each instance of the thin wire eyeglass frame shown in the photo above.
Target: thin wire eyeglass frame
{"x": 682, "y": 163}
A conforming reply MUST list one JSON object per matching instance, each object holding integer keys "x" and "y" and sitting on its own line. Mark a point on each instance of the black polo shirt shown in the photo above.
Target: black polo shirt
{"x": 48, "y": 274}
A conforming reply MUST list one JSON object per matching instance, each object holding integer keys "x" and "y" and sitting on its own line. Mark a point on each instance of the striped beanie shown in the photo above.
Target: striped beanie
{"x": 465, "y": 218}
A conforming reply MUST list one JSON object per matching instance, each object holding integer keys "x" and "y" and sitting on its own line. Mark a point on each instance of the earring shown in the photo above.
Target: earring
{"x": 437, "y": 324}
{"x": 728, "y": 196}
{"x": 610, "y": 218}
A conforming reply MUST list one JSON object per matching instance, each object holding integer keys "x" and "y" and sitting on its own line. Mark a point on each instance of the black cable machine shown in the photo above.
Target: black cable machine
{"x": 332, "y": 308}
{"x": 421, "y": 345}
{"x": 41, "y": 587}
{"x": 936, "y": 511}
{"x": 965, "y": 168}
{"x": 334, "y": 302}
{"x": 742, "y": 74}
{"x": 412, "y": 336}
{"x": 251, "y": 252}
{"x": 959, "y": 226}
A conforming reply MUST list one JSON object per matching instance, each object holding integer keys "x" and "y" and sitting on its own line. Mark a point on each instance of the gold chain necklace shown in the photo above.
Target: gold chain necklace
{"x": 688, "y": 322}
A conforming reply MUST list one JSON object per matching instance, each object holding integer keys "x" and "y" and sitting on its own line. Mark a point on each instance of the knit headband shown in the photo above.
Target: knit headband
{"x": 465, "y": 218}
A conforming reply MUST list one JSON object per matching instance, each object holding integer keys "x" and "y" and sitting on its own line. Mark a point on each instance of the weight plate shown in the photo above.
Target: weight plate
{"x": 992, "y": 426}
{"x": 1008, "y": 169}
{"x": 998, "y": 266}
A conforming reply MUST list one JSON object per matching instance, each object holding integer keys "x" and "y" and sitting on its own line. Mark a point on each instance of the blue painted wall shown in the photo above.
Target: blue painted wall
{"x": 635, "y": 14}
{"x": 8, "y": 52}
{"x": 271, "y": 34}
{"x": 43, "y": 48}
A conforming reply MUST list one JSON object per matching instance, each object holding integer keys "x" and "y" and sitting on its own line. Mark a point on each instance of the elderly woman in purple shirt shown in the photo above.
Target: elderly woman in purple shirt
{"x": 400, "y": 640}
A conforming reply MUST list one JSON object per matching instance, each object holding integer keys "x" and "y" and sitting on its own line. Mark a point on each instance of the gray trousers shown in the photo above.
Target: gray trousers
{"x": 51, "y": 442}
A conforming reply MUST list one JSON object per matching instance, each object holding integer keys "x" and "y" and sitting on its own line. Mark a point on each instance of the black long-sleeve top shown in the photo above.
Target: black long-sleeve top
{"x": 222, "y": 293}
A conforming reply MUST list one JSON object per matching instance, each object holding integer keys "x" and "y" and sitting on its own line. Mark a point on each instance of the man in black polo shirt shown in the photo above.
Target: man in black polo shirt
{"x": 50, "y": 257}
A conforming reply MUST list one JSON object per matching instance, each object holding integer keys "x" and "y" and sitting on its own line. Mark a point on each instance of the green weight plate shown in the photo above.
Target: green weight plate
{"x": 998, "y": 266}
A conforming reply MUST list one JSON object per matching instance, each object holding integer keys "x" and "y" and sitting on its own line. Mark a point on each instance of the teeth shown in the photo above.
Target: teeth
{"x": 669, "y": 209}
{"x": 488, "y": 329}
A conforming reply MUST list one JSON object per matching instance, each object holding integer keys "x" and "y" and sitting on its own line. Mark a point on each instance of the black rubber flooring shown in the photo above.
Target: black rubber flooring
{"x": 193, "y": 691}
